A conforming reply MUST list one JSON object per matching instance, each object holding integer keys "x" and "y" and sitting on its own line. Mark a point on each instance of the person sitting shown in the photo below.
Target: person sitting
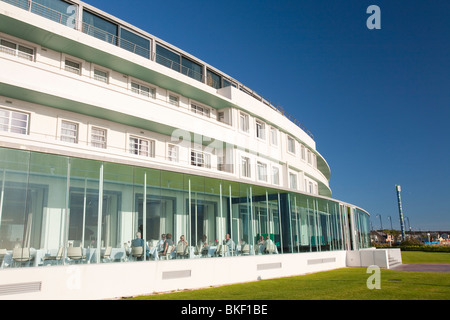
{"x": 204, "y": 246}
{"x": 268, "y": 245}
{"x": 160, "y": 244}
{"x": 139, "y": 242}
{"x": 168, "y": 244}
{"x": 182, "y": 247}
{"x": 229, "y": 243}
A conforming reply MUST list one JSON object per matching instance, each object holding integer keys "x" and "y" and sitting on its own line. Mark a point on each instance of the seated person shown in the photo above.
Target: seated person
{"x": 160, "y": 244}
{"x": 268, "y": 245}
{"x": 168, "y": 243}
{"x": 204, "y": 246}
{"x": 229, "y": 243}
{"x": 139, "y": 242}
{"x": 182, "y": 246}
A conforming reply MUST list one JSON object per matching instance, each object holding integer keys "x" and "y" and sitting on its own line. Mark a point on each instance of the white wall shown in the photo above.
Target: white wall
{"x": 112, "y": 280}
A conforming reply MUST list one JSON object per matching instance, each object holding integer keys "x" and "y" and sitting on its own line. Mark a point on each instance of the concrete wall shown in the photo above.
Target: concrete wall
{"x": 372, "y": 256}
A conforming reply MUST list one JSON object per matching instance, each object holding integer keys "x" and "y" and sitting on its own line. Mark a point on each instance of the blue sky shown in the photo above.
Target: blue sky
{"x": 377, "y": 101}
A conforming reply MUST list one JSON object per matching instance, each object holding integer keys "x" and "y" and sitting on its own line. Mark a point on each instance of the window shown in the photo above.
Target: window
{"x": 273, "y": 136}
{"x": 56, "y": 10}
{"x": 98, "y": 137}
{"x": 303, "y": 152}
{"x": 293, "y": 181}
{"x": 275, "y": 175}
{"x": 291, "y": 144}
{"x": 100, "y": 75}
{"x": 216, "y": 81}
{"x": 69, "y": 131}
{"x": 72, "y": 66}
{"x": 200, "y": 159}
{"x": 200, "y": 110}
{"x": 16, "y": 50}
{"x": 191, "y": 69}
{"x": 262, "y": 171}
{"x": 135, "y": 43}
{"x": 245, "y": 167}
{"x": 99, "y": 28}
{"x": 173, "y": 100}
{"x": 309, "y": 157}
{"x": 143, "y": 90}
{"x": 172, "y": 153}
{"x": 260, "y": 130}
{"x": 142, "y": 147}
{"x": 167, "y": 58}
{"x": 243, "y": 122}
{"x": 13, "y": 121}
{"x": 213, "y": 80}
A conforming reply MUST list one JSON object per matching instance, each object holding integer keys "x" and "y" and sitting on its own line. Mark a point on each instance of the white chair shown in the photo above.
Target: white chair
{"x": 137, "y": 252}
{"x": 245, "y": 250}
{"x": 182, "y": 250}
{"x": 59, "y": 256}
{"x": 21, "y": 255}
{"x": 168, "y": 253}
{"x": 75, "y": 254}
{"x": 107, "y": 254}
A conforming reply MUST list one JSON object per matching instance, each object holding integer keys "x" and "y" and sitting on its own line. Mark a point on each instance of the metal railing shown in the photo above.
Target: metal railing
{"x": 73, "y": 23}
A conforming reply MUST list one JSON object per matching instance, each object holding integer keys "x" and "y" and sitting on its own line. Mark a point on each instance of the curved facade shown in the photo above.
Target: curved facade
{"x": 107, "y": 130}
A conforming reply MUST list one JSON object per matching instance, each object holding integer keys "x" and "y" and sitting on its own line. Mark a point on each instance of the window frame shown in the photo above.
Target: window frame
{"x": 170, "y": 149}
{"x": 289, "y": 144}
{"x": 10, "y": 127}
{"x": 72, "y": 69}
{"x": 16, "y": 51}
{"x": 200, "y": 109}
{"x": 261, "y": 165}
{"x": 260, "y": 130}
{"x": 200, "y": 159}
{"x": 295, "y": 176}
{"x": 149, "y": 153}
{"x": 244, "y": 122}
{"x": 246, "y": 168}
{"x": 66, "y": 137}
{"x": 98, "y": 143}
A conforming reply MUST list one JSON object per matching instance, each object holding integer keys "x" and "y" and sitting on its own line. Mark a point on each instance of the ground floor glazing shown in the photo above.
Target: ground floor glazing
{"x": 52, "y": 205}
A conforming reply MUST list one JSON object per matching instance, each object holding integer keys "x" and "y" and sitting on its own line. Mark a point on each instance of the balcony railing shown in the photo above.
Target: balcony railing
{"x": 70, "y": 21}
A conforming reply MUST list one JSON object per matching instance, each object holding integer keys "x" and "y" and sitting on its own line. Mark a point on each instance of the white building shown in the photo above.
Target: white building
{"x": 106, "y": 130}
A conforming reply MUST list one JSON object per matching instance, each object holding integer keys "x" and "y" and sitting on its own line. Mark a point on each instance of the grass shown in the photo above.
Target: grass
{"x": 340, "y": 284}
{"x": 425, "y": 257}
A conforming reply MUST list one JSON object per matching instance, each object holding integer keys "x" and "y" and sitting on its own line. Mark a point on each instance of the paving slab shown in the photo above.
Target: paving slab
{"x": 423, "y": 267}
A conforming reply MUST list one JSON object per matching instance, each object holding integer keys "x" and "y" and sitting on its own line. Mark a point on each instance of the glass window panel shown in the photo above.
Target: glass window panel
{"x": 48, "y": 188}
{"x": 56, "y": 10}
{"x": 213, "y": 79}
{"x": 23, "y": 4}
{"x": 167, "y": 58}
{"x": 99, "y": 27}
{"x": 191, "y": 69}
{"x": 15, "y": 222}
{"x": 84, "y": 203}
{"x": 132, "y": 42}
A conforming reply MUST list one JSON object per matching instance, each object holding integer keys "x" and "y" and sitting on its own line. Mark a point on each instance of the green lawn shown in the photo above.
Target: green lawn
{"x": 425, "y": 257}
{"x": 340, "y": 284}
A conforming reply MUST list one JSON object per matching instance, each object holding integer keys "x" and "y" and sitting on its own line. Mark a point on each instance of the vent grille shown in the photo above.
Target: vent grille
{"x": 267, "y": 266}
{"x": 319, "y": 261}
{"x": 176, "y": 274}
{"x": 18, "y": 288}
